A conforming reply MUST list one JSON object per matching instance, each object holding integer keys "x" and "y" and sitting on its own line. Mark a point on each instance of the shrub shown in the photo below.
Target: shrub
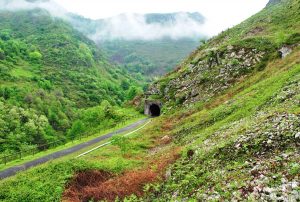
{"x": 123, "y": 143}
{"x": 35, "y": 56}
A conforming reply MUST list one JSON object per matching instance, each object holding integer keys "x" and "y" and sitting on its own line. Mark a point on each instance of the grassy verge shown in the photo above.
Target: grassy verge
{"x": 67, "y": 145}
{"x": 47, "y": 182}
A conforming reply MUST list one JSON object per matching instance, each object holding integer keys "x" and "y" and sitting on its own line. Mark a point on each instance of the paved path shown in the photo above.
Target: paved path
{"x": 13, "y": 170}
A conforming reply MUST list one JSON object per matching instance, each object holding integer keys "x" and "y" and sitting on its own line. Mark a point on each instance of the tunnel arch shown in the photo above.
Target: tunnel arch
{"x": 154, "y": 110}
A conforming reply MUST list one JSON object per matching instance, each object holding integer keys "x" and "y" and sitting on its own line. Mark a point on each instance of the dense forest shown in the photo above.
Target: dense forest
{"x": 51, "y": 75}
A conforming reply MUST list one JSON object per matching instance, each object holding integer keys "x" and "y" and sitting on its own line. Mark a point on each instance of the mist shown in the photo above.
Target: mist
{"x": 16, "y": 5}
{"x": 135, "y": 27}
{"x": 127, "y": 26}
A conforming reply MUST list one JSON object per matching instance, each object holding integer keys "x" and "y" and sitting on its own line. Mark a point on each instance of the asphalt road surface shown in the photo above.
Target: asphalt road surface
{"x": 13, "y": 170}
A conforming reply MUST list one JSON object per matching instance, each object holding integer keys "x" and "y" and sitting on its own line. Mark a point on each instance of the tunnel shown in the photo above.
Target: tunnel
{"x": 154, "y": 110}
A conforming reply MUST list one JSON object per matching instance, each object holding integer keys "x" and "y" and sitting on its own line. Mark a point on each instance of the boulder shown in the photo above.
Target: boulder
{"x": 285, "y": 51}
{"x": 166, "y": 139}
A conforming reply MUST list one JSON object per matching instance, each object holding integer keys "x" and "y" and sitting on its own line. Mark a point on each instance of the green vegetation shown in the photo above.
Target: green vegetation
{"x": 145, "y": 59}
{"x": 37, "y": 187}
{"x": 123, "y": 143}
{"x": 241, "y": 142}
{"x": 230, "y": 139}
{"x": 60, "y": 145}
{"x": 231, "y": 109}
{"x": 55, "y": 83}
{"x": 112, "y": 159}
{"x": 149, "y": 58}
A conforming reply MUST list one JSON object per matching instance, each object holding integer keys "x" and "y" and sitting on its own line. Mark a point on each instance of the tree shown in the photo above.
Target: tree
{"x": 77, "y": 129}
{"x": 2, "y": 54}
{"x": 132, "y": 92}
{"x": 5, "y": 34}
{"x": 109, "y": 111}
{"x": 125, "y": 84}
{"x": 35, "y": 56}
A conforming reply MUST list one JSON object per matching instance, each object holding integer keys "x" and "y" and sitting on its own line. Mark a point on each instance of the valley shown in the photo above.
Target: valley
{"x": 225, "y": 116}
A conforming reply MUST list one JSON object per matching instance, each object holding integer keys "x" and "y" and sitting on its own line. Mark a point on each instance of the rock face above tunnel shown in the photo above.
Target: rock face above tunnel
{"x": 152, "y": 108}
{"x": 209, "y": 72}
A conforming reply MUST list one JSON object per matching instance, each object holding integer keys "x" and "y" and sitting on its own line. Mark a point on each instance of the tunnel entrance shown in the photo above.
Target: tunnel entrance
{"x": 154, "y": 110}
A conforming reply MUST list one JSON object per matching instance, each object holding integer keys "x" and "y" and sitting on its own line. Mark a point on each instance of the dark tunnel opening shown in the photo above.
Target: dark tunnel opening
{"x": 154, "y": 110}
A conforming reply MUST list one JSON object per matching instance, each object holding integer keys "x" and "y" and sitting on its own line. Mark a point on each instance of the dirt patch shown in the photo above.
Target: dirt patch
{"x": 167, "y": 125}
{"x": 101, "y": 185}
{"x": 255, "y": 31}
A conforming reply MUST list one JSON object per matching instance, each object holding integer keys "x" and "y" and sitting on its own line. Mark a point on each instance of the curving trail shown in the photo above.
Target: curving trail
{"x": 14, "y": 170}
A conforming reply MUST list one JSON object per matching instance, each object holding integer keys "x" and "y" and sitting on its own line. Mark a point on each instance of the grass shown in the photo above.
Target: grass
{"x": 223, "y": 139}
{"x": 211, "y": 129}
{"x": 243, "y": 100}
{"x": 67, "y": 145}
{"x": 38, "y": 183}
{"x": 22, "y": 72}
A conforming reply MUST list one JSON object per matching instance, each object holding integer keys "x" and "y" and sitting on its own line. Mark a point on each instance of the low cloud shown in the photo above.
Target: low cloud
{"x": 124, "y": 26}
{"x": 136, "y": 27}
{"x": 15, "y": 5}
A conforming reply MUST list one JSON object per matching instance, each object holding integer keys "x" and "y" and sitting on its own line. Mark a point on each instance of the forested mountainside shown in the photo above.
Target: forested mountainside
{"x": 142, "y": 48}
{"x": 149, "y": 58}
{"x": 49, "y": 71}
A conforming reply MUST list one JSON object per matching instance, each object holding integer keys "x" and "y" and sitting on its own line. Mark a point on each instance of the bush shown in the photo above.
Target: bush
{"x": 35, "y": 56}
{"x": 123, "y": 143}
{"x": 77, "y": 129}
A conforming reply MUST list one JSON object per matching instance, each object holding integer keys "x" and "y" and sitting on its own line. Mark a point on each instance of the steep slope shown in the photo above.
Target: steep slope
{"x": 48, "y": 72}
{"x": 232, "y": 56}
{"x": 242, "y": 135}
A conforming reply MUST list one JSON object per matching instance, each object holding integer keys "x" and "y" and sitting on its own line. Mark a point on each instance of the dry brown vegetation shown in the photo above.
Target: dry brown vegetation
{"x": 102, "y": 185}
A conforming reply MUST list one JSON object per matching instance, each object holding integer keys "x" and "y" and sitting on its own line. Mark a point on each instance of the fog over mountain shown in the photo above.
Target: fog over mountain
{"x": 150, "y": 44}
{"x": 127, "y": 26}
{"x": 150, "y": 26}
{"x": 15, "y": 5}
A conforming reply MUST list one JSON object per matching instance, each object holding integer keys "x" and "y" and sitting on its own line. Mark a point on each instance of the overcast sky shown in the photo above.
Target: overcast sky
{"x": 220, "y": 14}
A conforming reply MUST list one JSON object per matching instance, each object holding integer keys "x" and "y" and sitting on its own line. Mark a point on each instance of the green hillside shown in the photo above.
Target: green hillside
{"x": 149, "y": 58}
{"x": 234, "y": 108}
{"x": 140, "y": 56}
{"x": 49, "y": 73}
{"x": 230, "y": 128}
{"x": 232, "y": 56}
